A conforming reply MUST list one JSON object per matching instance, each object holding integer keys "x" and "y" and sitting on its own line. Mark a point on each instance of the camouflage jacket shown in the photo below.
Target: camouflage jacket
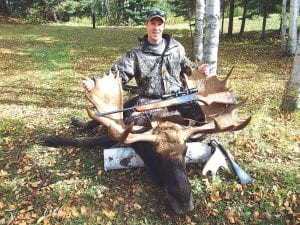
{"x": 157, "y": 69}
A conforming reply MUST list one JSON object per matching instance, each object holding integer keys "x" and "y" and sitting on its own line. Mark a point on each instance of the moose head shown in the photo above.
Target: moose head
{"x": 168, "y": 138}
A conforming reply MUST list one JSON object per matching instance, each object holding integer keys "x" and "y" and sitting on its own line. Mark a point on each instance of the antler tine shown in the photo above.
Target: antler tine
{"x": 228, "y": 74}
{"x": 120, "y": 85}
{"x": 219, "y": 128}
{"x": 213, "y": 127}
{"x": 132, "y": 138}
{"x": 110, "y": 73}
{"x": 233, "y": 107}
{"x": 242, "y": 124}
{"x": 206, "y": 129}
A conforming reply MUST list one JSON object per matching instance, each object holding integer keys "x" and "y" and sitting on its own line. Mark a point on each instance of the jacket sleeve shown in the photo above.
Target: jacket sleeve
{"x": 186, "y": 63}
{"x": 125, "y": 66}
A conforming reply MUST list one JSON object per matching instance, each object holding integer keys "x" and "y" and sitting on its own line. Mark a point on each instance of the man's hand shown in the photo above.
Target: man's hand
{"x": 88, "y": 83}
{"x": 204, "y": 69}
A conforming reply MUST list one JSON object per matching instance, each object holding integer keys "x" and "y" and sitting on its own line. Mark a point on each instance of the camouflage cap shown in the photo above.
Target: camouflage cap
{"x": 156, "y": 13}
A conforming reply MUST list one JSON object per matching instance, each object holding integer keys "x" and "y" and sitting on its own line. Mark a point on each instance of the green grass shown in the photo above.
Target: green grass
{"x": 41, "y": 69}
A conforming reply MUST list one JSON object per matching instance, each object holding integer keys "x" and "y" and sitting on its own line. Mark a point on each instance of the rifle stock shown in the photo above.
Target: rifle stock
{"x": 156, "y": 105}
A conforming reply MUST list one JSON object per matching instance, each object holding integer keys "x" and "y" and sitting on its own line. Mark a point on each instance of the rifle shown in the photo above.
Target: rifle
{"x": 178, "y": 98}
{"x": 243, "y": 176}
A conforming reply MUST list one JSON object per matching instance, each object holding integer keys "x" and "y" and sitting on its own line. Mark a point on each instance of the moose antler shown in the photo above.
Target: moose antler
{"x": 222, "y": 114}
{"x": 107, "y": 95}
{"x": 219, "y": 117}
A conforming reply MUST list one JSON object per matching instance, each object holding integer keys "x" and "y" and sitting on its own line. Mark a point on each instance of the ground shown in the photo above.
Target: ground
{"x": 40, "y": 79}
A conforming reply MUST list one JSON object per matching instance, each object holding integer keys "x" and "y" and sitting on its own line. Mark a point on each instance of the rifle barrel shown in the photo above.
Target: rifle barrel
{"x": 116, "y": 111}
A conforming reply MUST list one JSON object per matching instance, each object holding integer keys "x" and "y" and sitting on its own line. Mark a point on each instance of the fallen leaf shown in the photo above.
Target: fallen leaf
{"x": 83, "y": 210}
{"x": 12, "y": 207}
{"x": 137, "y": 206}
{"x": 3, "y": 173}
{"x": 109, "y": 214}
{"x": 215, "y": 197}
{"x": 40, "y": 219}
{"x": 74, "y": 212}
{"x": 256, "y": 214}
{"x": 231, "y": 217}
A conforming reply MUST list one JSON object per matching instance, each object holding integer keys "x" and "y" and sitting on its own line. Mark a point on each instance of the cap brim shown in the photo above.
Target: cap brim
{"x": 156, "y": 16}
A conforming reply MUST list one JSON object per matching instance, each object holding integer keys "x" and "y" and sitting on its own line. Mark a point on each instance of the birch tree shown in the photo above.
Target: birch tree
{"x": 211, "y": 37}
{"x": 283, "y": 28}
{"x": 291, "y": 99}
{"x": 293, "y": 26}
{"x": 199, "y": 24}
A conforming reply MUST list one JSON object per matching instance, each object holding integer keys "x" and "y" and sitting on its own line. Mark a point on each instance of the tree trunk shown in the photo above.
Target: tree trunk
{"x": 5, "y": 5}
{"x": 93, "y": 14}
{"x": 231, "y": 15}
{"x": 223, "y": 16}
{"x": 283, "y": 28}
{"x": 293, "y": 26}
{"x": 265, "y": 14}
{"x": 94, "y": 20}
{"x": 211, "y": 38}
{"x": 199, "y": 24}
{"x": 291, "y": 99}
{"x": 243, "y": 19}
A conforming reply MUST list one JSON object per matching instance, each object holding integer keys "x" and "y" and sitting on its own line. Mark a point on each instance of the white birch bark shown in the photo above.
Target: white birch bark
{"x": 199, "y": 25}
{"x": 293, "y": 26}
{"x": 283, "y": 28}
{"x": 291, "y": 99}
{"x": 211, "y": 37}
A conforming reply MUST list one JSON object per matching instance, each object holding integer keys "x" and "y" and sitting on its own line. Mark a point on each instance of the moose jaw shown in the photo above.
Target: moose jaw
{"x": 167, "y": 138}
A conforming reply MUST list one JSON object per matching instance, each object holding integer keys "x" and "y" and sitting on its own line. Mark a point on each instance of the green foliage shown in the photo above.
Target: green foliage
{"x": 254, "y": 7}
{"x": 137, "y": 10}
{"x": 118, "y": 12}
{"x": 185, "y": 8}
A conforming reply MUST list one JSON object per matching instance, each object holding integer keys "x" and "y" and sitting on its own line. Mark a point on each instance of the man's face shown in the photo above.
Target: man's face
{"x": 155, "y": 28}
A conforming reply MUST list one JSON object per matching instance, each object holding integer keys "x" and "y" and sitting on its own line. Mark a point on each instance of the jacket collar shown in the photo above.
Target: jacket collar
{"x": 148, "y": 48}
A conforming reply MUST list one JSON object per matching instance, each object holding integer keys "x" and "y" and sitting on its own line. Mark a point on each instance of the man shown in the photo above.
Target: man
{"x": 157, "y": 65}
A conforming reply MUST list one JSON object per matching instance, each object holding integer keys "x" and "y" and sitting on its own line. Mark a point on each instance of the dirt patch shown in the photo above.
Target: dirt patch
{"x": 9, "y": 20}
